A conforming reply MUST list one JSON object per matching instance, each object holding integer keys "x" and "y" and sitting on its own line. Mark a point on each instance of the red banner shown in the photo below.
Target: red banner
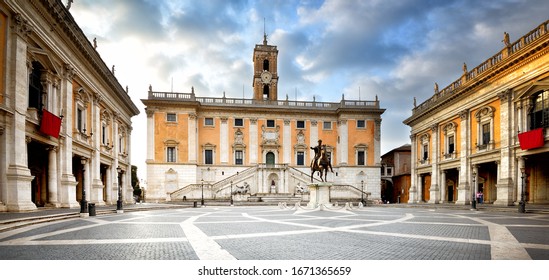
{"x": 50, "y": 124}
{"x": 531, "y": 139}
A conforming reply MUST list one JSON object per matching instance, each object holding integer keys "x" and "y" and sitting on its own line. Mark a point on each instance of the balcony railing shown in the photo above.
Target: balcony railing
{"x": 223, "y": 101}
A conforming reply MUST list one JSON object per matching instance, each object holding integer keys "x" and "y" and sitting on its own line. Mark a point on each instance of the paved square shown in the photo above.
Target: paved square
{"x": 285, "y": 233}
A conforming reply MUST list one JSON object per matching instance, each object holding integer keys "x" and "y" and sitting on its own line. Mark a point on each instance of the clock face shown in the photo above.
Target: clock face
{"x": 266, "y": 77}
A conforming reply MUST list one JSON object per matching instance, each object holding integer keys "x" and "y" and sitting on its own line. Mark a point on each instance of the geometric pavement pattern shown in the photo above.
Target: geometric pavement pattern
{"x": 281, "y": 233}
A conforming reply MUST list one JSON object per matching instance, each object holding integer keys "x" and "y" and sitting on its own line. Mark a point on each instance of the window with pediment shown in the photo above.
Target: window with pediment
{"x": 171, "y": 147}
{"x": 485, "y": 128}
{"x": 424, "y": 151}
{"x": 81, "y": 113}
{"x": 449, "y": 131}
{"x": 538, "y": 117}
{"x": 361, "y": 153}
{"x": 300, "y": 148}
{"x": 208, "y": 153}
{"x": 239, "y": 148}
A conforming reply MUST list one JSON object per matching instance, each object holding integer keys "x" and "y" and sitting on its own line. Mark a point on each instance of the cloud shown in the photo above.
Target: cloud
{"x": 395, "y": 50}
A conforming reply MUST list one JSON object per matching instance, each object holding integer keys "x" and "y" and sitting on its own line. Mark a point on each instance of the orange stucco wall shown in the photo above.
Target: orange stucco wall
{"x": 166, "y": 131}
{"x": 178, "y": 131}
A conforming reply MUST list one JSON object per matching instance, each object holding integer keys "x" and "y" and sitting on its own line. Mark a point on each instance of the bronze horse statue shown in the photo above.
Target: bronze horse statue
{"x": 321, "y": 165}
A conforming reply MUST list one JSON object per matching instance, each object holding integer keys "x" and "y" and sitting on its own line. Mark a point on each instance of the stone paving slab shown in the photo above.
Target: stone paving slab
{"x": 271, "y": 233}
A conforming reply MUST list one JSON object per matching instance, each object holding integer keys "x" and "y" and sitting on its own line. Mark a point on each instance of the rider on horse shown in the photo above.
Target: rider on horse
{"x": 317, "y": 149}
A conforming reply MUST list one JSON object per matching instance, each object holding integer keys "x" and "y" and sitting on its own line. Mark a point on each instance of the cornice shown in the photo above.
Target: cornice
{"x": 61, "y": 20}
{"x": 516, "y": 60}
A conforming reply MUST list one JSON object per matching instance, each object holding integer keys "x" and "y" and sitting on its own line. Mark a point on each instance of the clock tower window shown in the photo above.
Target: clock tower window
{"x": 266, "y": 65}
{"x": 265, "y": 92}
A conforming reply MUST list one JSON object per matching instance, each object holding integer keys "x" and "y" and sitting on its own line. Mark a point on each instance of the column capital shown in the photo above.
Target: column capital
{"x": 464, "y": 115}
{"x": 52, "y": 149}
{"x": 21, "y": 26}
{"x": 68, "y": 72}
{"x": 504, "y": 95}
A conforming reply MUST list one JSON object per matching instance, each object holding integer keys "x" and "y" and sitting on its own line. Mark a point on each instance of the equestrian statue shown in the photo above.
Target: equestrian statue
{"x": 320, "y": 163}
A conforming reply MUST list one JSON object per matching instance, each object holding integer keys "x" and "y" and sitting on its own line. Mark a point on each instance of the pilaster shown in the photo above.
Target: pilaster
{"x": 504, "y": 184}
{"x": 434, "y": 195}
{"x": 313, "y": 138}
{"x": 18, "y": 197}
{"x": 193, "y": 138}
{"x": 67, "y": 192}
{"x": 464, "y": 169}
{"x": 343, "y": 144}
{"x": 253, "y": 141}
{"x": 224, "y": 141}
{"x": 287, "y": 142}
{"x": 413, "y": 176}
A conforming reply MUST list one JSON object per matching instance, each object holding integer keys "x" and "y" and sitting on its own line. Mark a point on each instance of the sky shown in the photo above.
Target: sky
{"x": 393, "y": 49}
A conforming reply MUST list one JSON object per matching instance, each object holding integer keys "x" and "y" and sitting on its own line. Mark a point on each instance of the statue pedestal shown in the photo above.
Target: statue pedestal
{"x": 319, "y": 195}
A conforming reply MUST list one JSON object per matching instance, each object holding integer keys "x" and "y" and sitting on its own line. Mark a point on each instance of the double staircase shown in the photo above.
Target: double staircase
{"x": 221, "y": 190}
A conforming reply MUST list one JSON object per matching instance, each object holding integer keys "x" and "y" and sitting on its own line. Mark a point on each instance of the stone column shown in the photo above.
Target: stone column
{"x": 464, "y": 168}
{"x": 504, "y": 185}
{"x": 18, "y": 197}
{"x": 96, "y": 193}
{"x": 343, "y": 144}
{"x": 287, "y": 142}
{"x": 224, "y": 141}
{"x": 474, "y": 187}
{"x": 521, "y": 164}
{"x": 253, "y": 141}
{"x": 434, "y": 191}
{"x": 443, "y": 186}
{"x": 108, "y": 183}
{"x": 52, "y": 177}
{"x": 419, "y": 188}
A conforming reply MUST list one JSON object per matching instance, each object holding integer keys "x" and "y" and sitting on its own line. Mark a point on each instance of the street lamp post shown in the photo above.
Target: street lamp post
{"x": 522, "y": 203}
{"x": 231, "y": 193}
{"x": 202, "y": 199}
{"x": 119, "y": 206}
{"x": 83, "y": 202}
{"x": 473, "y": 198}
{"x": 362, "y": 194}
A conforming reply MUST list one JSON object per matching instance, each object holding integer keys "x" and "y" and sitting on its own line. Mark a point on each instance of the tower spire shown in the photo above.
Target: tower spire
{"x": 264, "y": 33}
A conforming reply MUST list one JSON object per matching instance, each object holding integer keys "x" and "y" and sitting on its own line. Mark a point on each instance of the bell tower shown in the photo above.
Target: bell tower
{"x": 265, "y": 82}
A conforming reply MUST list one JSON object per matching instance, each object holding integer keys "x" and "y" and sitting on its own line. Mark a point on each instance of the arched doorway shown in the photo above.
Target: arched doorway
{"x": 270, "y": 159}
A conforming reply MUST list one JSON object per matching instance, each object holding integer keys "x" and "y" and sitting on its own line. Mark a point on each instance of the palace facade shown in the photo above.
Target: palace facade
{"x": 65, "y": 121}
{"x": 486, "y": 133}
{"x": 210, "y": 147}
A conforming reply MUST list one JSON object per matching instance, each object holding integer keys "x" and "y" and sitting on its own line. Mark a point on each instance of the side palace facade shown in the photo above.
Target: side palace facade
{"x": 65, "y": 121}
{"x": 484, "y": 137}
